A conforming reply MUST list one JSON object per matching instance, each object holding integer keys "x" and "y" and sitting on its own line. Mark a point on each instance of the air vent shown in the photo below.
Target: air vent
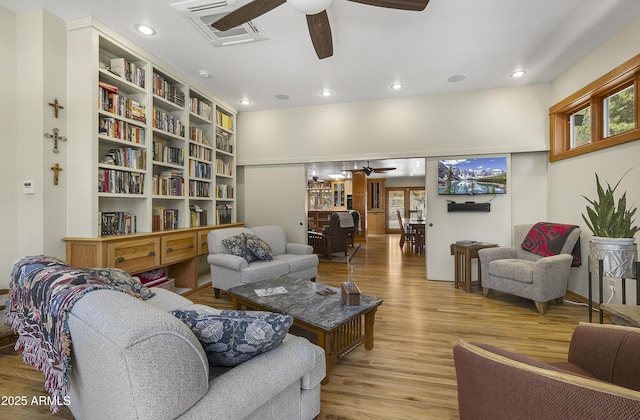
{"x": 202, "y": 13}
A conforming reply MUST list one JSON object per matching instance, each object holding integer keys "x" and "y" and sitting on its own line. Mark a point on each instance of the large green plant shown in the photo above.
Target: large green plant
{"x": 607, "y": 220}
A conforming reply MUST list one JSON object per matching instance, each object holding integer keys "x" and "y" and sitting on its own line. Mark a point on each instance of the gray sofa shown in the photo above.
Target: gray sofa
{"x": 132, "y": 359}
{"x": 227, "y": 270}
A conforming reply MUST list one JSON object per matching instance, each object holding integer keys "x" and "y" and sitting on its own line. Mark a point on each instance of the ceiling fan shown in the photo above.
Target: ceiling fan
{"x": 368, "y": 170}
{"x": 317, "y": 19}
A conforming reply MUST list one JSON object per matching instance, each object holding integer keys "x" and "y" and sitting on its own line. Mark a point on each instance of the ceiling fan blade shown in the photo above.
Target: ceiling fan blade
{"x": 320, "y": 32}
{"x": 246, "y": 13}
{"x": 414, "y": 5}
{"x": 383, "y": 169}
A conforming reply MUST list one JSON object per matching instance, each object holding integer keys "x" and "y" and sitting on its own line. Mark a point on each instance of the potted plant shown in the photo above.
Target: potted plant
{"x": 613, "y": 227}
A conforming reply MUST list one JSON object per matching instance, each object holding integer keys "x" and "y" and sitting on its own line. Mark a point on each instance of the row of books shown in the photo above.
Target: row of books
{"x": 167, "y": 122}
{"x": 120, "y": 182}
{"x": 199, "y": 189}
{"x": 223, "y": 141}
{"x": 162, "y": 152}
{"x": 117, "y": 223}
{"x": 168, "y": 91}
{"x": 121, "y": 130}
{"x": 224, "y": 168}
{"x": 203, "y": 109}
{"x": 164, "y": 219}
{"x": 128, "y": 71}
{"x": 196, "y": 134}
{"x": 224, "y": 191}
{"x": 199, "y": 152}
{"x": 168, "y": 183}
{"x": 223, "y": 120}
{"x": 223, "y": 214}
{"x": 121, "y": 105}
{"x": 199, "y": 169}
{"x": 198, "y": 216}
{"x": 129, "y": 158}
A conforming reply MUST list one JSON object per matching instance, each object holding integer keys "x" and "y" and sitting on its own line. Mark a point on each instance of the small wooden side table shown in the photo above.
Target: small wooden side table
{"x": 462, "y": 253}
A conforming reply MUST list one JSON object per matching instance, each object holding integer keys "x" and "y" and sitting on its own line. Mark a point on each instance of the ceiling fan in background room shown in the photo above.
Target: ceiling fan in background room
{"x": 368, "y": 170}
{"x": 317, "y": 19}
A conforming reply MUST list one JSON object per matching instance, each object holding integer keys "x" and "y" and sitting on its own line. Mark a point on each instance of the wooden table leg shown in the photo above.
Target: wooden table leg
{"x": 323, "y": 342}
{"x": 369, "y": 320}
{"x": 467, "y": 271}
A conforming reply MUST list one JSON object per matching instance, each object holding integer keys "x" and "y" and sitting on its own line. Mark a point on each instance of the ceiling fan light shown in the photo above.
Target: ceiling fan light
{"x": 309, "y": 7}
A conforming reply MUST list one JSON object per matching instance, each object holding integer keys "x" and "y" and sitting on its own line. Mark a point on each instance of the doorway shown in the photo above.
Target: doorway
{"x": 410, "y": 201}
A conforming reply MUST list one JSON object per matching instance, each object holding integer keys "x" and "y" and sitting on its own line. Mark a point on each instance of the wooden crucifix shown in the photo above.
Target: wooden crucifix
{"x": 56, "y": 169}
{"x": 56, "y": 107}
{"x": 55, "y": 138}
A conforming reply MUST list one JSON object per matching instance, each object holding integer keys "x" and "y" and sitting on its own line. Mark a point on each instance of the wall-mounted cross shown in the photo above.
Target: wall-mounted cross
{"x": 56, "y": 107}
{"x": 56, "y": 169}
{"x": 55, "y": 138}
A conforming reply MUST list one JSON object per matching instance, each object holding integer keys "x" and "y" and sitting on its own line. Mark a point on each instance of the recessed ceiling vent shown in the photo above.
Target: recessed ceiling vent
{"x": 202, "y": 13}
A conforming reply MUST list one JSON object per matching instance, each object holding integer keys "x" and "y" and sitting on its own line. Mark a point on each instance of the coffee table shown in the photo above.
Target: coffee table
{"x": 336, "y": 327}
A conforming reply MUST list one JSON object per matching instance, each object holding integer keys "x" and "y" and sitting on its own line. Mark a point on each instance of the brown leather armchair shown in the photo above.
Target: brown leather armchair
{"x": 600, "y": 379}
{"x": 335, "y": 237}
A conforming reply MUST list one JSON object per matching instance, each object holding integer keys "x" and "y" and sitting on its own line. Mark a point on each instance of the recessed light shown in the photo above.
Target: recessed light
{"x": 517, "y": 74}
{"x": 396, "y": 86}
{"x": 282, "y": 96}
{"x": 145, "y": 29}
{"x": 456, "y": 78}
{"x": 326, "y": 93}
{"x": 245, "y": 101}
{"x": 204, "y": 73}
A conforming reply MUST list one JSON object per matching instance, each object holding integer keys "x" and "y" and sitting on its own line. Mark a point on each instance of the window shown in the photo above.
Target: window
{"x": 619, "y": 112}
{"x": 602, "y": 114}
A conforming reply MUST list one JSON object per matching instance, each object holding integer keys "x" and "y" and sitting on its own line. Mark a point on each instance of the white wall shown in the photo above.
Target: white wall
{"x": 9, "y": 142}
{"x": 277, "y": 195}
{"x": 569, "y": 179}
{"x": 478, "y": 122}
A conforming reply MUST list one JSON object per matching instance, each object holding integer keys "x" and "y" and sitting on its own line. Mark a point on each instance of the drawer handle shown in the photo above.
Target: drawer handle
{"x": 119, "y": 260}
{"x": 170, "y": 249}
{"x": 204, "y": 243}
{"x": 151, "y": 253}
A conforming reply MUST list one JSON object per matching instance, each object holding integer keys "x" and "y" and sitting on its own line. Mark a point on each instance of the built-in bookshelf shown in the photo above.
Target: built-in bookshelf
{"x": 159, "y": 148}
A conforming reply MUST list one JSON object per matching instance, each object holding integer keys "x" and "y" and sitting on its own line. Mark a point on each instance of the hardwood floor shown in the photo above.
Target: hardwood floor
{"x": 409, "y": 374}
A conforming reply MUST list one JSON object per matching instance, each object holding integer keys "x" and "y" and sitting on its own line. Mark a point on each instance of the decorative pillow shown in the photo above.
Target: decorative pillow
{"x": 259, "y": 248}
{"x": 230, "y": 338}
{"x": 237, "y": 245}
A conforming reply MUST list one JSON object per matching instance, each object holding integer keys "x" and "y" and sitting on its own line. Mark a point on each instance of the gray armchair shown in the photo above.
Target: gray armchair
{"x": 527, "y": 274}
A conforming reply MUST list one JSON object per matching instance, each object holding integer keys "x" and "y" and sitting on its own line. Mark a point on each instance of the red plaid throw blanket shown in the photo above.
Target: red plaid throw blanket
{"x": 43, "y": 290}
{"x": 547, "y": 239}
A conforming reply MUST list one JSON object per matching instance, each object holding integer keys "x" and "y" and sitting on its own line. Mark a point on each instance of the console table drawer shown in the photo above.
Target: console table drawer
{"x": 134, "y": 256}
{"x": 178, "y": 247}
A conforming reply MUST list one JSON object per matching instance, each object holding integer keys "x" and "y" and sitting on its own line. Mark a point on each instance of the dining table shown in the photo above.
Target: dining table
{"x": 417, "y": 228}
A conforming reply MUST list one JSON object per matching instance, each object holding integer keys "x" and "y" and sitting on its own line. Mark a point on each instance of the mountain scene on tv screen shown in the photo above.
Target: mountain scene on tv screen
{"x": 472, "y": 176}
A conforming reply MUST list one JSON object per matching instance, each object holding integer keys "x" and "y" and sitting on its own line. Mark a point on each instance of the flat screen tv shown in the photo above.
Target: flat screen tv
{"x": 472, "y": 176}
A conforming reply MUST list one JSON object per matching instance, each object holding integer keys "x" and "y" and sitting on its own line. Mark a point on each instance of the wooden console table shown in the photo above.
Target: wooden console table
{"x": 462, "y": 255}
{"x": 178, "y": 250}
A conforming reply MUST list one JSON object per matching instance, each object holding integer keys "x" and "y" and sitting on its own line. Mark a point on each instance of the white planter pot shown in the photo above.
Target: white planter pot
{"x": 618, "y": 256}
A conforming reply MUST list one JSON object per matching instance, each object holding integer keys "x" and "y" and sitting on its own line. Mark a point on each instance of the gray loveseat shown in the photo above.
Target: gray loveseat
{"x": 132, "y": 359}
{"x": 227, "y": 270}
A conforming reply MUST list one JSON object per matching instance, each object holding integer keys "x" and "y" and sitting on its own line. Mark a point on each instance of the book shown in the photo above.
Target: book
{"x": 271, "y": 291}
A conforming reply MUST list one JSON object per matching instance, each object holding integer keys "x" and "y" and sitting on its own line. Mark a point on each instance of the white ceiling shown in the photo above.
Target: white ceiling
{"x": 485, "y": 40}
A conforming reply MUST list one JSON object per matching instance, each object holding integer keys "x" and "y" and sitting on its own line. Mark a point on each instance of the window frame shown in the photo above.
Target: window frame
{"x": 593, "y": 95}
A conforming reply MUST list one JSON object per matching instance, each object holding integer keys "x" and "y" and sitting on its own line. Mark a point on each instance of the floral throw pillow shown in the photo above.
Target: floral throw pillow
{"x": 230, "y": 338}
{"x": 259, "y": 248}
{"x": 237, "y": 245}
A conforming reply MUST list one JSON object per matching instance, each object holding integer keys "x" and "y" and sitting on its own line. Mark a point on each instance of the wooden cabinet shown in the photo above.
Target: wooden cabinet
{"x": 339, "y": 195}
{"x": 177, "y": 250}
{"x": 375, "y": 189}
{"x": 318, "y": 220}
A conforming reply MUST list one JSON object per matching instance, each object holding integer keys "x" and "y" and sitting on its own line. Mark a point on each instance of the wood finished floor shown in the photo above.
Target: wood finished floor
{"x": 410, "y": 372}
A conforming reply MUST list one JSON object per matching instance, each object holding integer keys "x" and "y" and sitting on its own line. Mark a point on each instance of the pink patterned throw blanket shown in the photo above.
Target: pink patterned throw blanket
{"x": 547, "y": 239}
{"x": 42, "y": 292}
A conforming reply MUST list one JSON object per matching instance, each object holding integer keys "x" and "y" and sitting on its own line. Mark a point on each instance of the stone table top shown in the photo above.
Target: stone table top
{"x": 304, "y": 303}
